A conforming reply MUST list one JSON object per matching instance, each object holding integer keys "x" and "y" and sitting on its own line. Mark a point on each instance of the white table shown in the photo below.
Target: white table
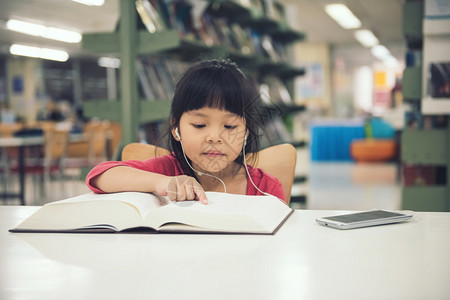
{"x": 302, "y": 260}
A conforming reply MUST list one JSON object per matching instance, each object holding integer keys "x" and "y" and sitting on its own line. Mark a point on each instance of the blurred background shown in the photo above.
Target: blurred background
{"x": 361, "y": 88}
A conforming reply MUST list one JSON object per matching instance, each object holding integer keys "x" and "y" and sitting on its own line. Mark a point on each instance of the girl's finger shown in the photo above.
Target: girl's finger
{"x": 171, "y": 189}
{"x": 200, "y": 193}
{"x": 181, "y": 188}
{"x": 189, "y": 188}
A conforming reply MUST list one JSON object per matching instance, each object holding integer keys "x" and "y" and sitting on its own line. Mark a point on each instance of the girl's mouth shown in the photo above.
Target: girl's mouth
{"x": 213, "y": 153}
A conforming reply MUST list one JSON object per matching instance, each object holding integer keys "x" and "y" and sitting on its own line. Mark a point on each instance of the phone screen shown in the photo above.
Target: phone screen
{"x": 364, "y": 216}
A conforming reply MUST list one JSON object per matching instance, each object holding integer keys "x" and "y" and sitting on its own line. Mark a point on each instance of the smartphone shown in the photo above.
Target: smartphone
{"x": 364, "y": 219}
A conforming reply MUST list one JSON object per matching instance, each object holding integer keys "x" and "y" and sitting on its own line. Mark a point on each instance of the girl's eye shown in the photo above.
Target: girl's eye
{"x": 198, "y": 125}
{"x": 230, "y": 126}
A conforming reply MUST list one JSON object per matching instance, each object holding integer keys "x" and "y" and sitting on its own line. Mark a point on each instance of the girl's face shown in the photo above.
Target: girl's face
{"x": 212, "y": 138}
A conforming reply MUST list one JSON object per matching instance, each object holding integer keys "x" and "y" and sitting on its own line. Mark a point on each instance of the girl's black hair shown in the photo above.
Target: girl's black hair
{"x": 217, "y": 84}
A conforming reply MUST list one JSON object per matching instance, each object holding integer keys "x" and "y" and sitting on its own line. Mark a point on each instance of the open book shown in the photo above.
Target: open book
{"x": 128, "y": 211}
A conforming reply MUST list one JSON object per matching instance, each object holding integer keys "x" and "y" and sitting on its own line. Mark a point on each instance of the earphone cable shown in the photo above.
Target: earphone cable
{"x": 248, "y": 173}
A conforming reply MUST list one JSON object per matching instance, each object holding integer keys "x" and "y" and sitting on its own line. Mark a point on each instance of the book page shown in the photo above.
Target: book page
{"x": 224, "y": 213}
{"x": 115, "y": 211}
{"x": 142, "y": 202}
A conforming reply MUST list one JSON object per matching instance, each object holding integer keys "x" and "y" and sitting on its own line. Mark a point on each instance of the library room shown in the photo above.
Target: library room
{"x": 322, "y": 149}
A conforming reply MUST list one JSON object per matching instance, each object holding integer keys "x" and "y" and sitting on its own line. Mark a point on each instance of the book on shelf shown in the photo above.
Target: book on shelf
{"x": 149, "y": 16}
{"x": 277, "y": 13}
{"x": 164, "y": 76}
{"x": 209, "y": 34}
{"x": 256, "y": 40}
{"x": 276, "y": 131}
{"x": 204, "y": 34}
{"x": 269, "y": 50}
{"x": 225, "y": 34}
{"x": 423, "y": 175}
{"x": 166, "y": 11}
{"x": 414, "y": 120}
{"x": 281, "y": 50}
{"x": 277, "y": 91}
{"x": 155, "y": 80}
{"x": 144, "y": 81}
{"x": 133, "y": 211}
{"x": 439, "y": 80}
{"x": 175, "y": 68}
{"x": 242, "y": 38}
{"x": 184, "y": 23}
{"x": 264, "y": 92}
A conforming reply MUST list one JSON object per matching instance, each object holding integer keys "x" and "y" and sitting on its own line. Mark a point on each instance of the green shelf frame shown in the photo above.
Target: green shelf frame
{"x": 148, "y": 111}
{"x": 413, "y": 20}
{"x": 412, "y": 83}
{"x": 424, "y": 147}
{"x": 427, "y": 198}
{"x": 104, "y": 42}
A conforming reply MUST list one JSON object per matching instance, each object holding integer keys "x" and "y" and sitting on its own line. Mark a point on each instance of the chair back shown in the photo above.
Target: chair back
{"x": 55, "y": 144}
{"x": 93, "y": 149}
{"x": 138, "y": 151}
{"x": 114, "y": 138}
{"x": 279, "y": 161}
{"x": 97, "y": 137}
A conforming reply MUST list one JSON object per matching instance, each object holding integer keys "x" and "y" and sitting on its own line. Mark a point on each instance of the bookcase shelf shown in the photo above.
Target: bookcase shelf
{"x": 255, "y": 18}
{"x": 424, "y": 151}
{"x": 226, "y": 8}
{"x": 168, "y": 43}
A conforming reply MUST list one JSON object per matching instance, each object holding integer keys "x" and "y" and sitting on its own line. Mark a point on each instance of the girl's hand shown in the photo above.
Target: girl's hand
{"x": 180, "y": 188}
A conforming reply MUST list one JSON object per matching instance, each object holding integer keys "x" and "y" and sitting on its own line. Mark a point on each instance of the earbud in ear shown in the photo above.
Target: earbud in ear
{"x": 245, "y": 139}
{"x": 177, "y": 133}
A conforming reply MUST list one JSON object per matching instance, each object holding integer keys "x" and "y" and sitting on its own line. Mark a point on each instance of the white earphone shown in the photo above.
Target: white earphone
{"x": 246, "y": 168}
{"x": 177, "y": 134}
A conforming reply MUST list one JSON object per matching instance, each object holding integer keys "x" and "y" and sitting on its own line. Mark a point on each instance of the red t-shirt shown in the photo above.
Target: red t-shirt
{"x": 169, "y": 165}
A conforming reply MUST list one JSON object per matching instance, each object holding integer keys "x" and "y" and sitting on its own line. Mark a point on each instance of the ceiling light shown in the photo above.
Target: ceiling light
{"x": 380, "y": 52}
{"x": 44, "y": 53}
{"x": 341, "y": 14}
{"x": 91, "y": 2}
{"x": 366, "y": 38}
{"x": 390, "y": 61}
{"x": 109, "y": 62}
{"x": 44, "y": 31}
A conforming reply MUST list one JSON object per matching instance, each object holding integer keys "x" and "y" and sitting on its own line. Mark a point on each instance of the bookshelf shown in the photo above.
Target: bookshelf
{"x": 425, "y": 143}
{"x": 130, "y": 42}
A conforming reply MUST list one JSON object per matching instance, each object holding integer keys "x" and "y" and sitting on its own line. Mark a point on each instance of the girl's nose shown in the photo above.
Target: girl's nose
{"x": 214, "y": 136}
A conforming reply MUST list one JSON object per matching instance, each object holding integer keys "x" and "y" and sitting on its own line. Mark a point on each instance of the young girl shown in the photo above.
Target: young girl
{"x": 214, "y": 122}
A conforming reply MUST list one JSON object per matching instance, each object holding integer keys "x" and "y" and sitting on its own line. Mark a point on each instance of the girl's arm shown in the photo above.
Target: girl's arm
{"x": 124, "y": 178}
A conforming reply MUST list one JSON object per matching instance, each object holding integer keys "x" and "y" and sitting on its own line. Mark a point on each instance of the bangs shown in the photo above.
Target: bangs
{"x": 215, "y": 90}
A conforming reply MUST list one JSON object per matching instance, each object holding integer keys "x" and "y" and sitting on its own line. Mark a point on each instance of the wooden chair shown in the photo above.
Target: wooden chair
{"x": 8, "y": 156}
{"x": 51, "y": 162}
{"x": 278, "y": 161}
{"x": 114, "y": 137}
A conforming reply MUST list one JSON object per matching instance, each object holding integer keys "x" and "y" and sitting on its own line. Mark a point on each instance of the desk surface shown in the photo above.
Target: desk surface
{"x": 302, "y": 261}
{"x": 35, "y": 140}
